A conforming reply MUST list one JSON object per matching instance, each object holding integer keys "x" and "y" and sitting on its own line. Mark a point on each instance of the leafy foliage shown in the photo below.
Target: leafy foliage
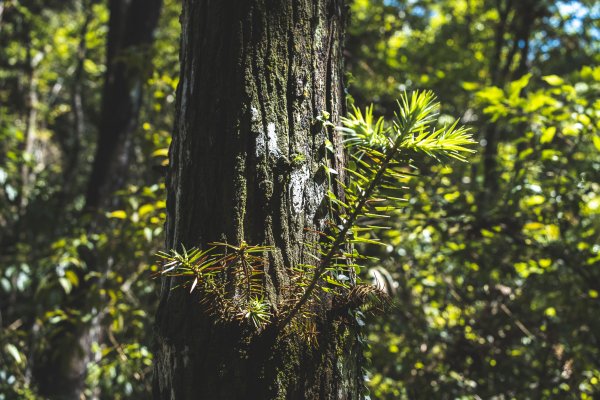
{"x": 51, "y": 54}
{"x": 493, "y": 297}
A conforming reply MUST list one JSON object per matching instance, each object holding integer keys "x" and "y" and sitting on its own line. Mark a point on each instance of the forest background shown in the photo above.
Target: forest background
{"x": 493, "y": 265}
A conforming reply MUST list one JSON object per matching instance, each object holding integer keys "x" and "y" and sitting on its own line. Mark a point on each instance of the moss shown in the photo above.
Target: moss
{"x": 292, "y": 349}
{"x": 239, "y": 210}
{"x": 297, "y": 160}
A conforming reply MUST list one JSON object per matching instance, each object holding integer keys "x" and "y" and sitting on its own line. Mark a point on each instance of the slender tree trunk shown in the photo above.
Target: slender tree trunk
{"x": 27, "y": 176}
{"x": 521, "y": 17}
{"x": 73, "y": 143}
{"x": 245, "y": 164}
{"x": 1, "y": 13}
{"x": 130, "y": 36}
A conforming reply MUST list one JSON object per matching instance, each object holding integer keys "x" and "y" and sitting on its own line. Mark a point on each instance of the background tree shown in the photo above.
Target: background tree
{"x": 129, "y": 46}
{"x": 61, "y": 366}
{"x": 50, "y": 261}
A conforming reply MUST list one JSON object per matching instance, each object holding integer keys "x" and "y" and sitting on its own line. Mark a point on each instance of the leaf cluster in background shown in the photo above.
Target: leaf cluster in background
{"x": 494, "y": 262}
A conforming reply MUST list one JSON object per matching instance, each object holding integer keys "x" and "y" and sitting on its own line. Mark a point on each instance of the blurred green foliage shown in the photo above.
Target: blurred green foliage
{"x": 46, "y": 239}
{"x": 493, "y": 265}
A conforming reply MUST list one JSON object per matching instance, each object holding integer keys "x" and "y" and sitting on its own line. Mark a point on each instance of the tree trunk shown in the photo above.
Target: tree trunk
{"x": 522, "y": 17}
{"x": 130, "y": 37}
{"x": 245, "y": 164}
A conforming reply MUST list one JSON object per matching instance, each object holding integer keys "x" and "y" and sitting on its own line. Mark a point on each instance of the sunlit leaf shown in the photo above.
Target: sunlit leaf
{"x": 553, "y": 80}
{"x": 118, "y": 214}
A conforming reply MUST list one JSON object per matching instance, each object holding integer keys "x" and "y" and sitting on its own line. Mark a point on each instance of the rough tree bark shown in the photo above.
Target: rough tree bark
{"x": 245, "y": 165}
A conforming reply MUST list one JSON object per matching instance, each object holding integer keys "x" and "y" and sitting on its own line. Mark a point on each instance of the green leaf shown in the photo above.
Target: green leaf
{"x": 329, "y": 145}
{"x": 515, "y": 87}
{"x": 72, "y": 277}
{"x": 145, "y": 209}
{"x": 491, "y": 94}
{"x": 550, "y": 312}
{"x": 148, "y": 233}
{"x": 330, "y": 170}
{"x": 470, "y": 86}
{"x": 553, "y": 80}
{"x": 596, "y": 141}
{"x": 534, "y": 200}
{"x": 66, "y": 284}
{"x": 194, "y": 284}
{"x": 119, "y": 214}
{"x": 14, "y": 352}
{"x": 548, "y": 134}
{"x": 164, "y": 152}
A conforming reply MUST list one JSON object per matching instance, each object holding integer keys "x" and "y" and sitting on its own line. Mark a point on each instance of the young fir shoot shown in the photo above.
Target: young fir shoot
{"x": 208, "y": 270}
{"x": 231, "y": 278}
{"x": 378, "y": 154}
